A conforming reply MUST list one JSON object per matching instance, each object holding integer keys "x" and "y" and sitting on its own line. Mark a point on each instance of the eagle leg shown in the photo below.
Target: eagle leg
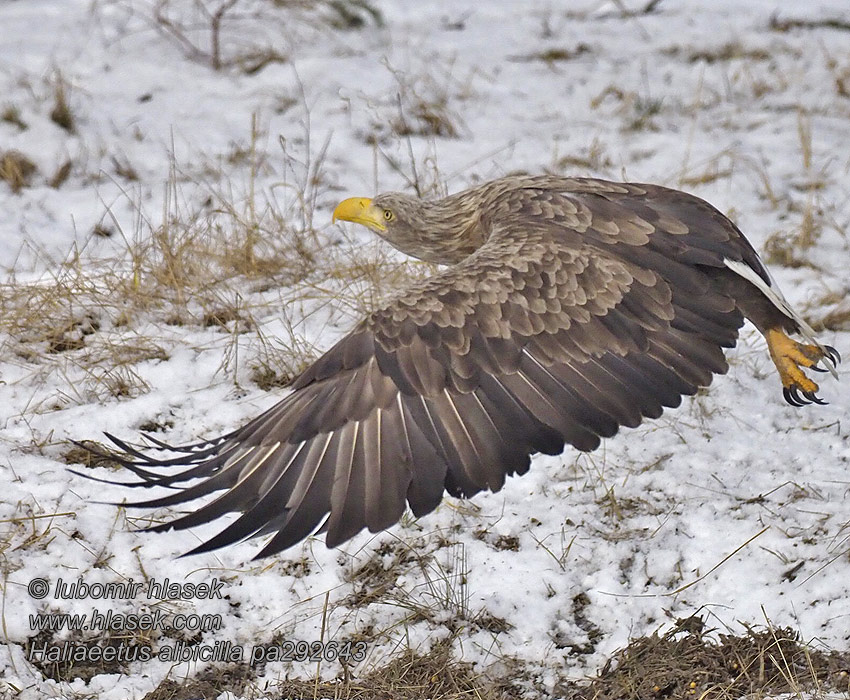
{"x": 790, "y": 357}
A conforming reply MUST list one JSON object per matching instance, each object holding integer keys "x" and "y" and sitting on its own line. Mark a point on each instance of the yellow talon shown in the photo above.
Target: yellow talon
{"x": 789, "y": 356}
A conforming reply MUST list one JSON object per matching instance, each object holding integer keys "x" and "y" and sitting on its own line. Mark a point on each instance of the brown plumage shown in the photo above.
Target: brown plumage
{"x": 569, "y": 307}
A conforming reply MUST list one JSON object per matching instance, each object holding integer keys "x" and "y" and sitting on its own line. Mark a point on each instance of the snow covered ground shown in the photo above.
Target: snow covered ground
{"x": 734, "y": 505}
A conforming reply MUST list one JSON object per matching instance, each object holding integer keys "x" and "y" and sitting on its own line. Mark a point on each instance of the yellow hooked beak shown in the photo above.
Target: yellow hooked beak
{"x": 360, "y": 211}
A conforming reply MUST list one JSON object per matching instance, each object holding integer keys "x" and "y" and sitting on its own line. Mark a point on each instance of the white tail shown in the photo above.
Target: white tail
{"x": 774, "y": 294}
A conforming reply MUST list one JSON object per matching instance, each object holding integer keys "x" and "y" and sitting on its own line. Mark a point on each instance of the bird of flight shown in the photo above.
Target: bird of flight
{"x": 568, "y": 307}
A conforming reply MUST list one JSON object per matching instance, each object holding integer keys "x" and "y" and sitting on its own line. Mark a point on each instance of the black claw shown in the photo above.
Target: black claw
{"x": 817, "y": 369}
{"x": 833, "y": 354}
{"x": 790, "y": 394}
{"x": 813, "y": 398}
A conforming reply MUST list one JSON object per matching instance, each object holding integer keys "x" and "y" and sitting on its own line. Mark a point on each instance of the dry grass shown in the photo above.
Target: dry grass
{"x": 687, "y": 661}
{"x": 10, "y": 114}
{"x": 61, "y": 113}
{"x": 786, "y": 25}
{"x": 593, "y": 158}
{"x": 426, "y": 104}
{"x": 63, "y": 172}
{"x": 636, "y": 110}
{"x": 441, "y": 595}
{"x": 229, "y": 34}
{"x": 554, "y": 55}
{"x": 787, "y": 248}
{"x": 352, "y": 14}
{"x": 838, "y": 316}
{"x": 16, "y": 170}
{"x": 424, "y": 112}
{"x": 409, "y": 675}
{"x": 729, "y": 51}
{"x": 204, "y": 33}
{"x": 200, "y": 273}
{"x": 836, "y": 320}
{"x": 218, "y": 267}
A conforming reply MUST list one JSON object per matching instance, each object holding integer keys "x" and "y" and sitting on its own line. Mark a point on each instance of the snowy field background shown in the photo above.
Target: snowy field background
{"x": 167, "y": 256}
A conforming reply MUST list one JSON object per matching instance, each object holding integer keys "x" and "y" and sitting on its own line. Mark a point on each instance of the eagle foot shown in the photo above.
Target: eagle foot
{"x": 790, "y": 357}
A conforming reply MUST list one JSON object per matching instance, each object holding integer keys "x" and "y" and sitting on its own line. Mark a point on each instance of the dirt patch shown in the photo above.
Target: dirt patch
{"x": 690, "y": 661}
{"x": 209, "y": 684}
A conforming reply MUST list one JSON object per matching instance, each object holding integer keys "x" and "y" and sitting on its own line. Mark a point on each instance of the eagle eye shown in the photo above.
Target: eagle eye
{"x": 388, "y": 215}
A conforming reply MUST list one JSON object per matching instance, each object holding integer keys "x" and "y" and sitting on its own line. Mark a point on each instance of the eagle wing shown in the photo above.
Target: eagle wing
{"x": 589, "y": 307}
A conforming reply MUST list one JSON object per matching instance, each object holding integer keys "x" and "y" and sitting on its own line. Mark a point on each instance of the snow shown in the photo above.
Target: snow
{"x": 733, "y": 505}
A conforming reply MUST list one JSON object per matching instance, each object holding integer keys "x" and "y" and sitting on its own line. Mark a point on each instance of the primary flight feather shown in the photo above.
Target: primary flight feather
{"x": 568, "y": 307}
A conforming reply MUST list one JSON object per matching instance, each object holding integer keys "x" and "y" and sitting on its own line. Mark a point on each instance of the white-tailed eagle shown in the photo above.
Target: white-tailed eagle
{"x": 567, "y": 307}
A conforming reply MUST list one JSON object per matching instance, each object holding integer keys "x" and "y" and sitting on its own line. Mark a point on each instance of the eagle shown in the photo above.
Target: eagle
{"x": 565, "y": 308}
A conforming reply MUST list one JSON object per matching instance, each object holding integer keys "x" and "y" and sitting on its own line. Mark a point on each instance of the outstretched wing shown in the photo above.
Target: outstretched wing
{"x": 588, "y": 308}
